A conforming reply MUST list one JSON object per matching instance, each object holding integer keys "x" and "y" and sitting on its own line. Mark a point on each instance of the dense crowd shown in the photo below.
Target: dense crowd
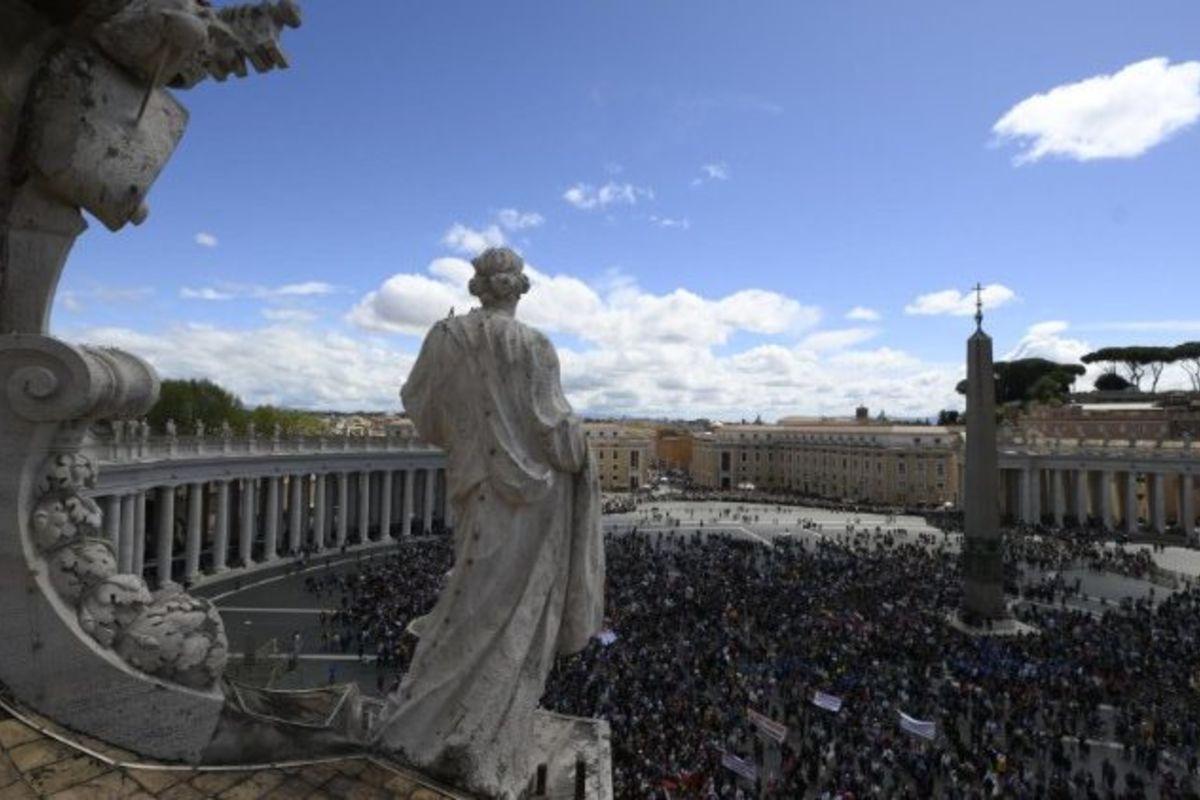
{"x": 707, "y": 627}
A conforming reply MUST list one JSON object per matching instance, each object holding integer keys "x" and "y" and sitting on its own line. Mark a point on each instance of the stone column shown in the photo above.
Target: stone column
{"x": 385, "y": 505}
{"x": 246, "y": 523}
{"x": 1158, "y": 496}
{"x": 364, "y": 507}
{"x": 139, "y": 533}
{"x": 296, "y": 516}
{"x": 1187, "y": 505}
{"x": 125, "y": 546}
{"x": 427, "y": 508}
{"x": 221, "y": 532}
{"x": 406, "y": 522}
{"x": 112, "y": 521}
{"x": 271, "y": 524}
{"x": 320, "y": 512}
{"x": 1081, "y": 496}
{"x": 195, "y": 532}
{"x": 165, "y": 546}
{"x": 1027, "y": 489}
{"x": 1131, "y": 509}
{"x": 1106, "y": 499}
{"x": 1057, "y": 491}
{"x": 343, "y": 514}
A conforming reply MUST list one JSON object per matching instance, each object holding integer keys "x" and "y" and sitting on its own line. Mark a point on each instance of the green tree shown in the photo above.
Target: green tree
{"x": 1112, "y": 382}
{"x": 1187, "y": 355}
{"x": 949, "y": 416}
{"x": 190, "y": 401}
{"x": 1154, "y": 360}
{"x": 1032, "y": 379}
{"x": 290, "y": 421}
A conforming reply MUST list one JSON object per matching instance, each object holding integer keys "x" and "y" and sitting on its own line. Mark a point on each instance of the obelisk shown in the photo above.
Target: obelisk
{"x": 982, "y": 563}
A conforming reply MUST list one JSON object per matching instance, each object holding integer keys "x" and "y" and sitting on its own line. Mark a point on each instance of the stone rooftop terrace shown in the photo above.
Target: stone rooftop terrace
{"x": 38, "y": 759}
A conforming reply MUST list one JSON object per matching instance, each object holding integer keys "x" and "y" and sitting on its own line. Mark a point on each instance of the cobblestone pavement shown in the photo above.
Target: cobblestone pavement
{"x": 34, "y": 764}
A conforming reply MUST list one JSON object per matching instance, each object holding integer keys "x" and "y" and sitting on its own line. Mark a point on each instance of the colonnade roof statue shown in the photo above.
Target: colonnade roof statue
{"x": 528, "y": 578}
{"x": 86, "y": 123}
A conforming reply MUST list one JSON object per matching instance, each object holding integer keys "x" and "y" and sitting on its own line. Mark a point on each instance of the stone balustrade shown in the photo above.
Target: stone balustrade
{"x": 187, "y": 509}
{"x": 1124, "y": 485}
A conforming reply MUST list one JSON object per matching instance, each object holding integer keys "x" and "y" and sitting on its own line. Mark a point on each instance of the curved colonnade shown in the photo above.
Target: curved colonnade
{"x": 184, "y": 510}
{"x": 1144, "y": 485}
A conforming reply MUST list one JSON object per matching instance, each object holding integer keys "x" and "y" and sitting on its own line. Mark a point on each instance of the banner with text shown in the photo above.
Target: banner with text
{"x": 827, "y": 702}
{"x": 775, "y": 731}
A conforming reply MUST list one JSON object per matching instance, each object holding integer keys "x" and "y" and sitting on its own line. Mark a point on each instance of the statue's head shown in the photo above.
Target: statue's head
{"x": 500, "y": 278}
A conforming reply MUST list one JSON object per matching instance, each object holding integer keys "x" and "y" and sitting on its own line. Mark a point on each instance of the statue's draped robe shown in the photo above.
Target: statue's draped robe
{"x": 528, "y": 574}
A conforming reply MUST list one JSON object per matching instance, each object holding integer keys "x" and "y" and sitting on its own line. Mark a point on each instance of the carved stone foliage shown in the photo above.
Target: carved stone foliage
{"x": 167, "y": 634}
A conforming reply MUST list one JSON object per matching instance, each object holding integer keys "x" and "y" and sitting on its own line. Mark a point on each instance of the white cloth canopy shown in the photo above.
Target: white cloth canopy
{"x": 528, "y": 578}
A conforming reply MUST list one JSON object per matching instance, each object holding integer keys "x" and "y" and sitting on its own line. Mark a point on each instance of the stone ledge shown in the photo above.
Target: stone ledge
{"x": 39, "y": 759}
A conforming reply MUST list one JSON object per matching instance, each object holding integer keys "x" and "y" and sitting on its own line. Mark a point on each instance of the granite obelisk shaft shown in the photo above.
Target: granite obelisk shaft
{"x": 982, "y": 563}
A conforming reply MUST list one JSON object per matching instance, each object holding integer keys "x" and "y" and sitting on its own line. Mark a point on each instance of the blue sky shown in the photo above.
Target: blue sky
{"x": 703, "y": 189}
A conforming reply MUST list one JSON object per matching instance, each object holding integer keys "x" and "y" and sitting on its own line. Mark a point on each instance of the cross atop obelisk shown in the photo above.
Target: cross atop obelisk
{"x": 979, "y": 306}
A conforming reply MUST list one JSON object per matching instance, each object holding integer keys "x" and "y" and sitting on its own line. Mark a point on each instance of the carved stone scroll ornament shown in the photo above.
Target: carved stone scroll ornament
{"x": 87, "y": 124}
{"x": 166, "y": 634}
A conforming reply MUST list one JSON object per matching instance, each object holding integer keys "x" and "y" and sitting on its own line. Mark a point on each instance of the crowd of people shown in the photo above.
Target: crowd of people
{"x": 703, "y": 628}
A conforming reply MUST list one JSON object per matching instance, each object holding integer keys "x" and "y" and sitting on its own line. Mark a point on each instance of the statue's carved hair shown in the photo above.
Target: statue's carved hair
{"x": 499, "y": 276}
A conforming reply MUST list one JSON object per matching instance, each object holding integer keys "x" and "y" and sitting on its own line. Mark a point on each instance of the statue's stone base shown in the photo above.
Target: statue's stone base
{"x": 1004, "y": 626}
{"x": 562, "y": 743}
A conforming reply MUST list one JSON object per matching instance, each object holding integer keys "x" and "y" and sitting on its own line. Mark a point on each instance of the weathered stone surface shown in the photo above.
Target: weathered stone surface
{"x": 528, "y": 581}
{"x": 13, "y": 733}
{"x": 255, "y": 786}
{"x": 64, "y": 774}
{"x": 38, "y": 753}
{"x": 156, "y": 781}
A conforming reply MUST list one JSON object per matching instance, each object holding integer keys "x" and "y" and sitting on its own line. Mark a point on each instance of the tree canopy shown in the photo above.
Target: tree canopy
{"x": 1032, "y": 379}
{"x": 1136, "y": 360}
{"x": 1187, "y": 355}
{"x": 1111, "y": 382}
{"x": 190, "y": 401}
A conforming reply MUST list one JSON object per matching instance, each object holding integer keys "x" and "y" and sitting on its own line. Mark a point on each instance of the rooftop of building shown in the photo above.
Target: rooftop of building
{"x": 39, "y": 758}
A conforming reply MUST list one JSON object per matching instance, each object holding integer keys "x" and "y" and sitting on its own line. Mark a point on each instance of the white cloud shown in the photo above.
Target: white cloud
{"x": 513, "y": 220}
{"x": 470, "y": 241}
{"x": 1121, "y": 115}
{"x": 205, "y": 239}
{"x": 76, "y": 300}
{"x": 273, "y": 364}
{"x": 1046, "y": 340}
{"x": 682, "y": 223}
{"x": 587, "y": 197}
{"x": 842, "y": 339}
{"x": 716, "y": 171}
{"x": 304, "y": 289}
{"x": 625, "y": 350}
{"x": 234, "y": 291}
{"x": 205, "y": 293}
{"x": 960, "y": 304}
{"x": 863, "y": 314}
{"x": 289, "y": 315}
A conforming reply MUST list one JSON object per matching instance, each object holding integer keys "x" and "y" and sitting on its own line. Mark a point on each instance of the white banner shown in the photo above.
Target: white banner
{"x": 918, "y": 727}
{"x": 740, "y": 766}
{"x": 827, "y": 702}
{"x": 775, "y": 731}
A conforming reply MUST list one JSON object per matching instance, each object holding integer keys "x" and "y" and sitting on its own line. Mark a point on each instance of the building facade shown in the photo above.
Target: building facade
{"x": 855, "y": 461}
{"x": 623, "y": 454}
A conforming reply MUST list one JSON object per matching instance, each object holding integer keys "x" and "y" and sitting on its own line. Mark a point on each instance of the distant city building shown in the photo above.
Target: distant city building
{"x": 623, "y": 454}
{"x": 673, "y": 449}
{"x": 856, "y": 460}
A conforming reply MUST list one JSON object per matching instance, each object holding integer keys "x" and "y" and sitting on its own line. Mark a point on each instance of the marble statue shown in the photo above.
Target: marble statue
{"x": 528, "y": 577}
